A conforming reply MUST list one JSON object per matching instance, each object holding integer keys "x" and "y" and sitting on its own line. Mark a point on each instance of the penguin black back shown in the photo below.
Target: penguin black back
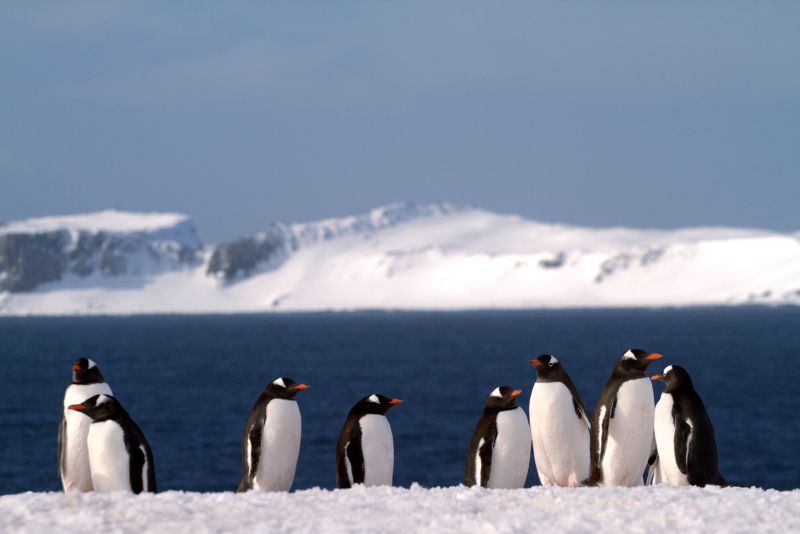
{"x": 102, "y": 408}
{"x": 694, "y": 441}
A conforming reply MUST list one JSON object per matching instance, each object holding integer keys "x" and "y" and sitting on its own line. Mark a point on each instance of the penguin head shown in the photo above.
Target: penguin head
{"x": 99, "y": 407}
{"x": 285, "y": 388}
{"x": 547, "y": 367}
{"x": 85, "y": 371}
{"x": 675, "y": 377}
{"x": 634, "y": 362}
{"x": 375, "y": 404}
{"x": 503, "y": 398}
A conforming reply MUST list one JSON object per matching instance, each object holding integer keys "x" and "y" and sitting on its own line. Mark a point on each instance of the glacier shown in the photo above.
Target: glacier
{"x": 414, "y": 509}
{"x": 403, "y": 256}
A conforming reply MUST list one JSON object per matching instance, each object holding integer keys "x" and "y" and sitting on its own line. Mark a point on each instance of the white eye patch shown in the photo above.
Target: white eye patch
{"x": 553, "y": 360}
{"x": 279, "y": 382}
{"x": 101, "y": 400}
{"x": 374, "y": 398}
{"x": 629, "y": 355}
{"x": 667, "y": 369}
{"x": 496, "y": 393}
{"x": 91, "y": 364}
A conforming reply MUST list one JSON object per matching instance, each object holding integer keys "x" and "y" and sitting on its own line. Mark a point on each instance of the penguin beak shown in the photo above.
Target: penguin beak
{"x": 516, "y": 393}
{"x": 76, "y": 367}
{"x": 76, "y": 407}
{"x": 534, "y": 362}
{"x": 300, "y": 386}
{"x": 395, "y": 401}
{"x": 654, "y": 356}
{"x": 656, "y": 377}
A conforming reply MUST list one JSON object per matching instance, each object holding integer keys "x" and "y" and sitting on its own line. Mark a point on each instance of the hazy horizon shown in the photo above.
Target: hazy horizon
{"x": 614, "y": 114}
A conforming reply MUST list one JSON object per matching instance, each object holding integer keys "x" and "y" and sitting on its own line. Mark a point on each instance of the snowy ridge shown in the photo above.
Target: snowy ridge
{"x": 423, "y": 256}
{"x": 305, "y": 234}
{"x": 385, "y": 509}
{"x": 267, "y": 250}
{"x": 111, "y": 221}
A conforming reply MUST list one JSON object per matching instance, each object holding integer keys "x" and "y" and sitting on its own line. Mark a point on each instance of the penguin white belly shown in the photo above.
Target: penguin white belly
{"x": 377, "y": 446}
{"x": 630, "y": 434}
{"x": 75, "y": 474}
{"x": 511, "y": 455}
{"x": 280, "y": 446}
{"x": 108, "y": 457}
{"x": 665, "y": 442}
{"x": 560, "y": 438}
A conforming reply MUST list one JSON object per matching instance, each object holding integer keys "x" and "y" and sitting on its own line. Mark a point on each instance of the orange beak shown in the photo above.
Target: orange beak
{"x": 76, "y": 407}
{"x": 534, "y": 362}
{"x": 76, "y": 367}
{"x": 653, "y": 356}
{"x": 395, "y": 401}
{"x": 300, "y": 386}
{"x": 656, "y": 377}
{"x": 516, "y": 393}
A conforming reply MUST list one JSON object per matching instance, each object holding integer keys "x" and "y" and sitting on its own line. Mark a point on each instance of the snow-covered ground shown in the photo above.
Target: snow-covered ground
{"x": 440, "y": 256}
{"x": 439, "y": 510}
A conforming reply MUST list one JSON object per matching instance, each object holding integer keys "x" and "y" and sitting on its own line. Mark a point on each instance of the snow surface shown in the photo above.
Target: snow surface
{"x": 440, "y": 256}
{"x": 384, "y": 509}
{"x": 114, "y": 221}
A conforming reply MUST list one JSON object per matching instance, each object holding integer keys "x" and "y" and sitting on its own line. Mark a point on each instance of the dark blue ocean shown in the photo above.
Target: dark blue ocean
{"x": 190, "y": 382}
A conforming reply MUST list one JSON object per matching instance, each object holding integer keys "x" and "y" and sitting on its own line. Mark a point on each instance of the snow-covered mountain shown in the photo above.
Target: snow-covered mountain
{"x": 401, "y": 256}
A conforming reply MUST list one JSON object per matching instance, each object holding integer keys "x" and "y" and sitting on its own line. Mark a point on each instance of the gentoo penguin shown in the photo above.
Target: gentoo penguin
{"x": 271, "y": 442}
{"x": 687, "y": 451}
{"x": 119, "y": 455}
{"x": 559, "y": 426}
{"x": 73, "y": 461}
{"x": 500, "y": 449}
{"x": 365, "y": 450}
{"x": 622, "y": 423}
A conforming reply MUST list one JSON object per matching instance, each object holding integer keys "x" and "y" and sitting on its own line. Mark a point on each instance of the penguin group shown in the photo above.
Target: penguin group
{"x": 102, "y": 449}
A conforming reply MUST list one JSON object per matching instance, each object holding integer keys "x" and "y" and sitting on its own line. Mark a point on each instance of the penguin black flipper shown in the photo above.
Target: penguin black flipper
{"x": 355, "y": 458}
{"x": 603, "y": 413}
{"x": 141, "y": 468}
{"x": 481, "y": 447}
{"x": 485, "y": 454}
{"x": 62, "y": 446}
{"x": 350, "y": 467}
{"x": 137, "y": 459}
{"x": 682, "y": 436}
{"x": 577, "y": 402}
{"x": 251, "y": 442}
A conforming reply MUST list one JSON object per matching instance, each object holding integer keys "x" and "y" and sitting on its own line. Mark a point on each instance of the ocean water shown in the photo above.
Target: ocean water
{"x": 190, "y": 382}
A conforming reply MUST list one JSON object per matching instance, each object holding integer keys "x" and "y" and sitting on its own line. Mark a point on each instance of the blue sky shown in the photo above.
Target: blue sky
{"x": 239, "y": 113}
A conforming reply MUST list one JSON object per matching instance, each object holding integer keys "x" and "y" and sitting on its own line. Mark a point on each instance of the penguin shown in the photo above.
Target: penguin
{"x": 365, "y": 450}
{"x": 73, "y": 459}
{"x": 687, "y": 450}
{"x": 500, "y": 449}
{"x": 622, "y": 423}
{"x": 559, "y": 426}
{"x": 119, "y": 456}
{"x": 271, "y": 441}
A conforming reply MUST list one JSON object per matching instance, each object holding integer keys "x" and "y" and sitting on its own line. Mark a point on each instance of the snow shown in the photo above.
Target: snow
{"x": 114, "y": 221}
{"x": 416, "y": 509}
{"x": 440, "y": 256}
